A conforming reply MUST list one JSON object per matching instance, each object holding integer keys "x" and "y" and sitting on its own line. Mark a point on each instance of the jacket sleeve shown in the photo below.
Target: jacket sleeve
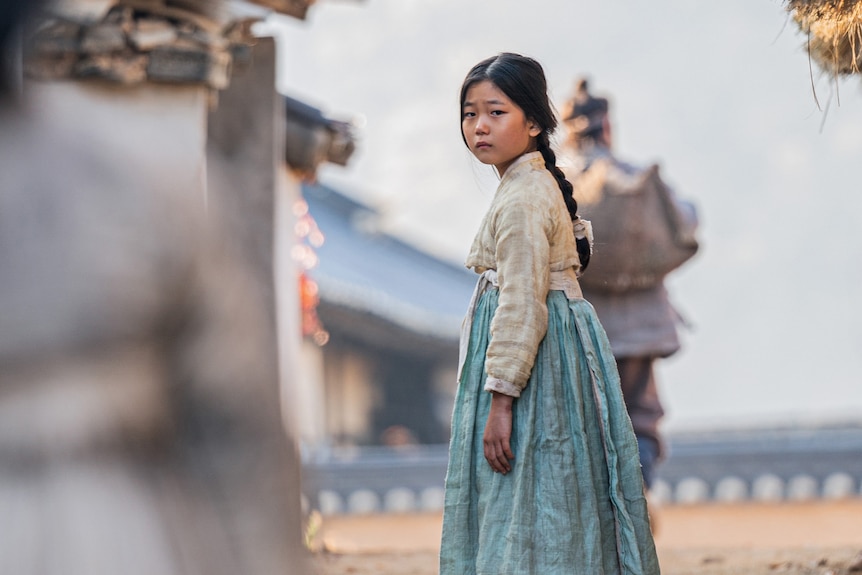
{"x": 521, "y": 231}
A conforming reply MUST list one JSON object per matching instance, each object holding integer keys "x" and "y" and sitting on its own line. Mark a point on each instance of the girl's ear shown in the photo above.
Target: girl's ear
{"x": 534, "y": 129}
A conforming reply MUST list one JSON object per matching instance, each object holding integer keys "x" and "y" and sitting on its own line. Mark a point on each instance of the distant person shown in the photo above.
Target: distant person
{"x": 399, "y": 437}
{"x": 632, "y": 303}
{"x": 543, "y": 474}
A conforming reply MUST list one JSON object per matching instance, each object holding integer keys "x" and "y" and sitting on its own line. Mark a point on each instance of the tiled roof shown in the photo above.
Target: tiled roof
{"x": 133, "y": 41}
{"x": 94, "y": 10}
{"x": 378, "y": 275}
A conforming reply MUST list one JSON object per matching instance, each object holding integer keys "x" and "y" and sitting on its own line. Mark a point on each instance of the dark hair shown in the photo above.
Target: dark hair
{"x": 523, "y": 81}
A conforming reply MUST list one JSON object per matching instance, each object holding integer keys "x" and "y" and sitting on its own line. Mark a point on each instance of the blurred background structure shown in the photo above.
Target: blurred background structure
{"x": 149, "y": 301}
{"x": 392, "y": 314}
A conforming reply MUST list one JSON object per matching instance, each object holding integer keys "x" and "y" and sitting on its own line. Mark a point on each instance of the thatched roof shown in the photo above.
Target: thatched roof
{"x": 834, "y": 30}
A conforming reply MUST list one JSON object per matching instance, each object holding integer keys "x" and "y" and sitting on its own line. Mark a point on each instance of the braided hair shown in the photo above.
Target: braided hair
{"x": 523, "y": 81}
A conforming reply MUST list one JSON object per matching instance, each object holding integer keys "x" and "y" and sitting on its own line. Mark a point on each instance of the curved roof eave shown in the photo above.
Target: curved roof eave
{"x": 388, "y": 307}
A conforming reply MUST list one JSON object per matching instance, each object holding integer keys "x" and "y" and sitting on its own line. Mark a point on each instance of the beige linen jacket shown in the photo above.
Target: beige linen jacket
{"x": 526, "y": 234}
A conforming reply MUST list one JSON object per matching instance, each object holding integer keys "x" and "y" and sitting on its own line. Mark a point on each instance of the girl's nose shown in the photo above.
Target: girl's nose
{"x": 481, "y": 126}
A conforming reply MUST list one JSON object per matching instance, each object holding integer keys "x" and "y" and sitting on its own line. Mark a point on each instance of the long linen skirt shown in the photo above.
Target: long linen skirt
{"x": 573, "y": 502}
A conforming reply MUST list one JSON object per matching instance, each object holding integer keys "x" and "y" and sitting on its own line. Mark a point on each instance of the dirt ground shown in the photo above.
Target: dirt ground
{"x": 811, "y": 538}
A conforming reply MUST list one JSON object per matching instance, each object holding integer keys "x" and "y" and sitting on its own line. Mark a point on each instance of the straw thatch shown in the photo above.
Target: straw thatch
{"x": 834, "y": 30}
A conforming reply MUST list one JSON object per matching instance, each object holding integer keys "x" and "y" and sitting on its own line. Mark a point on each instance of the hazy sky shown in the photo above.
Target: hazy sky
{"x": 718, "y": 92}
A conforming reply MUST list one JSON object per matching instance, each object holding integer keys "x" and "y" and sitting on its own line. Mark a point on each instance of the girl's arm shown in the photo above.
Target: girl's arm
{"x": 521, "y": 232}
{"x": 521, "y": 229}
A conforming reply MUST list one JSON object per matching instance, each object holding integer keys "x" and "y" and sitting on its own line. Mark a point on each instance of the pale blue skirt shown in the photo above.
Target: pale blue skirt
{"x": 573, "y": 502}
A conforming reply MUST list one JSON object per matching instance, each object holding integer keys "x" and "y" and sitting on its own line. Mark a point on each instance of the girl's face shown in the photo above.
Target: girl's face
{"x": 495, "y": 128}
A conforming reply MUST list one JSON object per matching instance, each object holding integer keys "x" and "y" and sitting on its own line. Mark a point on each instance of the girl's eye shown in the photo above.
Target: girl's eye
{"x": 497, "y": 112}
{"x": 469, "y": 114}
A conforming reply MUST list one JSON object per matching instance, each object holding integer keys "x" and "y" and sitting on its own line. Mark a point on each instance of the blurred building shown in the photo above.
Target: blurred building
{"x": 391, "y": 315}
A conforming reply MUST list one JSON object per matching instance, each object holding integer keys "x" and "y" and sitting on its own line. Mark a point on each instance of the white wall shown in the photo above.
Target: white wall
{"x": 156, "y": 125}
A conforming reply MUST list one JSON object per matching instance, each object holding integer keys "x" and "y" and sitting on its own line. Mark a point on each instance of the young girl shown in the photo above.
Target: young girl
{"x": 543, "y": 474}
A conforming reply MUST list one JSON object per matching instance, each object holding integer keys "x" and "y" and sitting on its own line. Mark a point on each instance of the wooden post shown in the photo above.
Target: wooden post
{"x": 245, "y": 152}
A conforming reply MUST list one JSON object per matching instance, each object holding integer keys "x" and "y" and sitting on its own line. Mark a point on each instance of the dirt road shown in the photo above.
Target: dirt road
{"x": 812, "y": 538}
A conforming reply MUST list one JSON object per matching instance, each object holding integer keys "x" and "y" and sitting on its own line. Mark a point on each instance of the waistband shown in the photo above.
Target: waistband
{"x": 565, "y": 281}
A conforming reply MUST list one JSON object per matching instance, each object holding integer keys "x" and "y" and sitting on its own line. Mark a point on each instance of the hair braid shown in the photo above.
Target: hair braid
{"x": 544, "y": 146}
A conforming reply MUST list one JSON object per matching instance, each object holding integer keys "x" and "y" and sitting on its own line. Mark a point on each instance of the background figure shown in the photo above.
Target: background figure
{"x": 140, "y": 429}
{"x": 637, "y": 315}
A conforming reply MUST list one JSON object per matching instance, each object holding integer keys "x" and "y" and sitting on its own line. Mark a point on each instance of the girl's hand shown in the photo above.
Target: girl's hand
{"x": 498, "y": 431}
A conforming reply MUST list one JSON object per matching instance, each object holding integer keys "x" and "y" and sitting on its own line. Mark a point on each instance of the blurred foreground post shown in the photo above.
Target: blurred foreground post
{"x": 140, "y": 424}
{"x": 245, "y": 158}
